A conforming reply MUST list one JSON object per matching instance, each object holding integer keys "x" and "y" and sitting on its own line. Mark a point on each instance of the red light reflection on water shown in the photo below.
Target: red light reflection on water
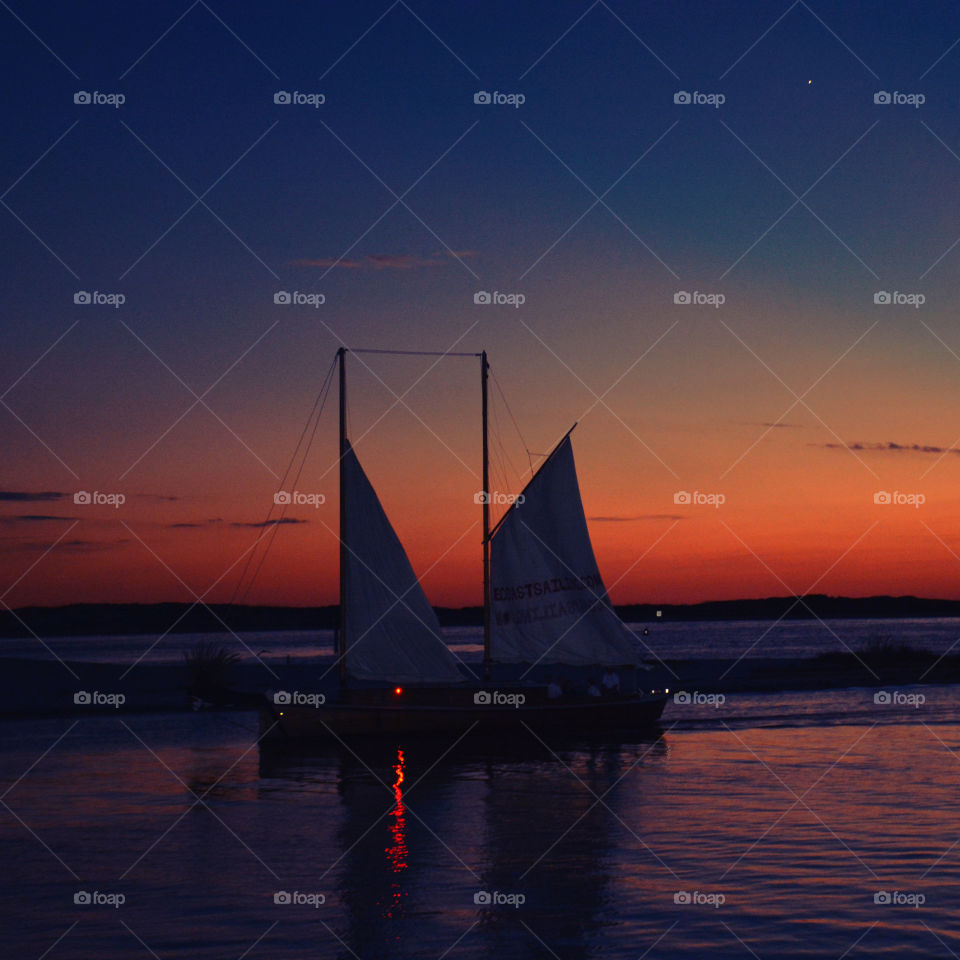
{"x": 397, "y": 853}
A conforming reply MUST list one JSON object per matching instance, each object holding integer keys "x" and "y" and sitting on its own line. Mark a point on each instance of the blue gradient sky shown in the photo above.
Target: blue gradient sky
{"x": 694, "y": 198}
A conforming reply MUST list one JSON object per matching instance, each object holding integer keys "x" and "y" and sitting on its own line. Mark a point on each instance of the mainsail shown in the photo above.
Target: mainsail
{"x": 391, "y": 631}
{"x": 548, "y": 603}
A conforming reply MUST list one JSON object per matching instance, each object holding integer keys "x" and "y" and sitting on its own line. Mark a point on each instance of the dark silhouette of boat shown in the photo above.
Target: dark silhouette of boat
{"x": 556, "y": 655}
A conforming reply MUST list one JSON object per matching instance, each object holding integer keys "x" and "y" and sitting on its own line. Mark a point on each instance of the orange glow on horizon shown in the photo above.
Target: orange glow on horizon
{"x": 798, "y": 513}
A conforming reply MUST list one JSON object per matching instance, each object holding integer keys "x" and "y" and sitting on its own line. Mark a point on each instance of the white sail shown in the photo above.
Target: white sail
{"x": 548, "y": 603}
{"x": 391, "y": 631}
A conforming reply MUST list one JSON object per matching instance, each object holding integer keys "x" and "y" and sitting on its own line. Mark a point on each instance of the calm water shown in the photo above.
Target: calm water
{"x": 789, "y": 638}
{"x": 784, "y": 815}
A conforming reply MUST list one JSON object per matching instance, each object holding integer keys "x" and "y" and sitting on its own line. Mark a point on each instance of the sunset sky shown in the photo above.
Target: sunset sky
{"x": 795, "y": 201}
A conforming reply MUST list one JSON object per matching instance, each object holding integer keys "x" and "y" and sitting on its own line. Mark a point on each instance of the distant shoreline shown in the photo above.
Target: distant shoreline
{"x": 112, "y": 619}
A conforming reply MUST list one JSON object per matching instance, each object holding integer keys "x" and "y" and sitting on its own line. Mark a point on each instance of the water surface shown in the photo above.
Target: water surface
{"x": 781, "y": 818}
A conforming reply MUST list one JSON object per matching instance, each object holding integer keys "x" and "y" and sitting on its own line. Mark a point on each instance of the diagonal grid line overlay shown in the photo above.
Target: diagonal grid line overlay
{"x": 799, "y": 399}
{"x": 33, "y": 833}
{"x": 598, "y": 800}
{"x": 199, "y": 398}
{"x": 36, "y": 636}
{"x": 199, "y": 799}
{"x": 800, "y": 798}
{"x": 599, "y": 399}
{"x": 216, "y": 16}
{"x": 953, "y": 645}
{"x": 952, "y": 752}
{"x": 799, "y": 599}
{"x": 49, "y": 749}
{"x": 954, "y": 154}
{"x": 799, "y": 199}
{"x": 599, "y": 601}
{"x": 599, "y": 199}
{"x": 398, "y": 201}
{"x": 399, "y": 400}
{"x": 36, "y": 236}
{"x": 821, "y": 21}
{"x": 620, "y": 20}
{"x": 199, "y": 200}
{"x": 419, "y": 19}
{"x": 199, "y": 600}
{"x": 398, "y": 598}
{"x": 345, "y": 746}
{"x": 40, "y": 40}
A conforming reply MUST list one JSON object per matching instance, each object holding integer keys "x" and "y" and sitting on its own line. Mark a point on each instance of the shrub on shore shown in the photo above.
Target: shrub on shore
{"x": 208, "y": 665}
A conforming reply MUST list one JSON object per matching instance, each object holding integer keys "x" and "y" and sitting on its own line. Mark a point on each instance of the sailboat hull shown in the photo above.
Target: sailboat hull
{"x": 333, "y": 720}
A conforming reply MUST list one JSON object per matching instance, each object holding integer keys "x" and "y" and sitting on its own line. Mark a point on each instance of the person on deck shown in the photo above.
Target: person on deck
{"x": 554, "y": 690}
{"x": 592, "y": 689}
{"x": 611, "y": 682}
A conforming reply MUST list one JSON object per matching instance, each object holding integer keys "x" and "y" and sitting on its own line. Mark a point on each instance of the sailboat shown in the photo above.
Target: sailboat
{"x": 550, "y": 631}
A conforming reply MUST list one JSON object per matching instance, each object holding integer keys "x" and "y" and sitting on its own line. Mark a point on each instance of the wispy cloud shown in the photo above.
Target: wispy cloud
{"x": 403, "y": 261}
{"x": 33, "y": 518}
{"x": 888, "y": 447}
{"x": 328, "y": 262}
{"x": 23, "y": 496}
{"x": 635, "y": 518}
{"x": 269, "y": 523}
{"x": 71, "y": 546}
{"x": 387, "y": 261}
{"x": 213, "y": 521}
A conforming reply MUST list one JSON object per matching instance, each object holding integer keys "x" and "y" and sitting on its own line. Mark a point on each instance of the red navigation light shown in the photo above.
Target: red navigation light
{"x": 398, "y": 690}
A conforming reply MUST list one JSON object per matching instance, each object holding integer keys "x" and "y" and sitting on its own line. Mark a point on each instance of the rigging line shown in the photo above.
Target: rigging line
{"x": 502, "y": 452}
{"x": 273, "y": 533}
{"x": 500, "y": 460}
{"x": 318, "y": 401}
{"x": 325, "y": 391}
{"x": 413, "y": 353}
{"x": 496, "y": 383}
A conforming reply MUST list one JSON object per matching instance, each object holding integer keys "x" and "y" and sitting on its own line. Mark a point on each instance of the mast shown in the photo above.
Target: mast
{"x": 341, "y": 646}
{"x": 486, "y": 518}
